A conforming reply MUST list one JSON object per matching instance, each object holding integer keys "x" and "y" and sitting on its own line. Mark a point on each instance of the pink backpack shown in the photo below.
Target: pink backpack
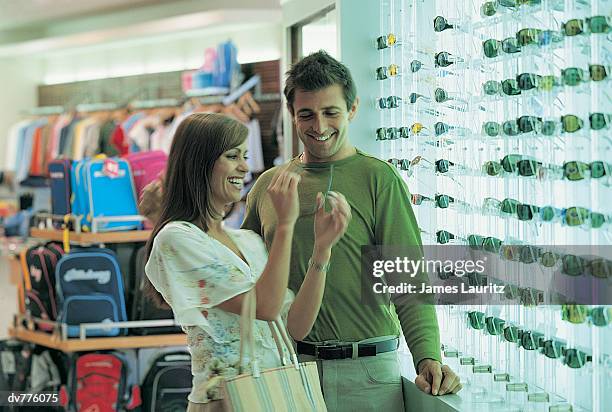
{"x": 146, "y": 167}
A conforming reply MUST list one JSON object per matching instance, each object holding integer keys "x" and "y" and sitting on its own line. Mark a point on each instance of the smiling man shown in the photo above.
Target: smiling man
{"x": 354, "y": 343}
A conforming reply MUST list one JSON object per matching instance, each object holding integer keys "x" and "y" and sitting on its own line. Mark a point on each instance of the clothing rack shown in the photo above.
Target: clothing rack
{"x": 96, "y": 107}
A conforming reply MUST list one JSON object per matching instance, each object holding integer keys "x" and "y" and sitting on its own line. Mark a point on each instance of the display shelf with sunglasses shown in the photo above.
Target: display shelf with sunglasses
{"x": 498, "y": 115}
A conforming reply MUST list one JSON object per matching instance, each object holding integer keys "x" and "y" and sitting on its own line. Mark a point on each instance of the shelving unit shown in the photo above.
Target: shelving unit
{"x": 54, "y": 340}
{"x": 89, "y": 344}
{"x": 90, "y": 238}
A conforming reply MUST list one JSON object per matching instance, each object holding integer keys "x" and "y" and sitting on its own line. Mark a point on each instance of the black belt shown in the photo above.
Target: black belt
{"x": 331, "y": 351}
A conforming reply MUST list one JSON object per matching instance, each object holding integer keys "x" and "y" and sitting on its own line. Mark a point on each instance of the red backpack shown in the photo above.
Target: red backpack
{"x": 98, "y": 383}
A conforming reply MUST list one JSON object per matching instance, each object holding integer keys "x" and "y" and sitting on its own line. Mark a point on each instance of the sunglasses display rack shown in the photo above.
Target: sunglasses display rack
{"x": 498, "y": 114}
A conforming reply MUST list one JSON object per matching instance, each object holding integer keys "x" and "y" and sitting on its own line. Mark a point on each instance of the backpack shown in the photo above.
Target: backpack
{"x": 90, "y": 290}
{"x": 98, "y": 381}
{"x": 38, "y": 266}
{"x": 103, "y": 188}
{"x": 168, "y": 383}
{"x": 142, "y": 307}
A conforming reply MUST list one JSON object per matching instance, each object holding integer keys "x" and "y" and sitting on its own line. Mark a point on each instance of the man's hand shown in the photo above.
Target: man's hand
{"x": 436, "y": 379}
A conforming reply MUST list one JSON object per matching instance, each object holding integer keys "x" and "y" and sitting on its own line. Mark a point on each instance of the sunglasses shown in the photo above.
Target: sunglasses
{"x": 491, "y": 87}
{"x": 444, "y": 201}
{"x": 402, "y": 164}
{"x": 527, "y": 124}
{"x": 599, "y": 24}
{"x": 528, "y": 36}
{"x": 598, "y": 72}
{"x": 445, "y": 59}
{"x": 383, "y": 42}
{"x": 491, "y": 129}
{"x": 548, "y": 82}
{"x": 443, "y": 236}
{"x": 526, "y": 212}
{"x": 599, "y": 121}
{"x": 490, "y": 206}
{"x": 550, "y": 36}
{"x": 495, "y": 326}
{"x": 571, "y": 123}
{"x": 440, "y": 24}
{"x": 508, "y": 206}
{"x": 549, "y": 213}
{"x": 417, "y": 199}
{"x": 573, "y": 76}
{"x": 476, "y": 320}
{"x": 383, "y": 73}
{"x": 575, "y": 358}
{"x": 577, "y": 314}
{"x": 443, "y": 165}
{"x": 512, "y": 334}
{"x": 528, "y": 81}
{"x": 489, "y": 244}
{"x": 510, "y": 87}
{"x": 552, "y": 349}
{"x": 573, "y": 27}
{"x": 531, "y": 340}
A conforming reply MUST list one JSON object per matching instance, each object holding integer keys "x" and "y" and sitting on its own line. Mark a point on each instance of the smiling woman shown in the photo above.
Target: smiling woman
{"x": 205, "y": 271}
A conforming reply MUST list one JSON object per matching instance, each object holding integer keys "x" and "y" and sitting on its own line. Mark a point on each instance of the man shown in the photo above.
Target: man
{"x": 321, "y": 98}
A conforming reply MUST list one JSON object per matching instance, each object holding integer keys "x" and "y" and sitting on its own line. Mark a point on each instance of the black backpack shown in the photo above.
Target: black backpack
{"x": 142, "y": 307}
{"x": 168, "y": 383}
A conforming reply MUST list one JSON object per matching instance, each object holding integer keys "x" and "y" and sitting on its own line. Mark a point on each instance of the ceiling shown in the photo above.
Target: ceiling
{"x": 30, "y": 26}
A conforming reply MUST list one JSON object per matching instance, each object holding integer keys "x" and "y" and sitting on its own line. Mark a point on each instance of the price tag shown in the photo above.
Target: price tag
{"x": 110, "y": 168}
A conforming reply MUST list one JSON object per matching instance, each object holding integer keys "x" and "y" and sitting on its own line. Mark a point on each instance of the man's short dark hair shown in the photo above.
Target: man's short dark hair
{"x": 318, "y": 71}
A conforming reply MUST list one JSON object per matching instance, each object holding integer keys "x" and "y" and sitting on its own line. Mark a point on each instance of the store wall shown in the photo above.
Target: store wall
{"x": 21, "y": 76}
{"x": 18, "y": 78}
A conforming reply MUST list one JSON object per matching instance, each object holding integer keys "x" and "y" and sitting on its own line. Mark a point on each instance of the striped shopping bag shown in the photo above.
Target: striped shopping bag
{"x": 293, "y": 387}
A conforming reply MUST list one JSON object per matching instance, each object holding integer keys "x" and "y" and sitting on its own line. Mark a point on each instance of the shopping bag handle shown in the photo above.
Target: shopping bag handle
{"x": 277, "y": 328}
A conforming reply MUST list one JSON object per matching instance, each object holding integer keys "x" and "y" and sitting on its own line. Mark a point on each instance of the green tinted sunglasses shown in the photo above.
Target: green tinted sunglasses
{"x": 573, "y": 27}
{"x": 575, "y": 170}
{"x": 531, "y": 340}
{"x": 598, "y": 72}
{"x": 510, "y": 87}
{"x": 600, "y": 268}
{"x": 527, "y": 124}
{"x": 443, "y": 236}
{"x": 512, "y": 334}
{"x": 549, "y": 213}
{"x": 553, "y": 349}
{"x": 571, "y": 123}
{"x": 491, "y": 129}
{"x": 577, "y": 314}
{"x": 575, "y": 358}
{"x": 510, "y": 128}
{"x": 598, "y": 24}
{"x": 529, "y": 254}
{"x": 526, "y": 37}
{"x": 548, "y": 82}
{"x": 476, "y": 319}
{"x": 443, "y": 201}
{"x": 493, "y": 168}
{"x": 600, "y": 121}
{"x": 549, "y": 127}
{"x": 491, "y": 87}
{"x": 526, "y": 212}
{"x": 509, "y": 162}
{"x": 573, "y": 265}
{"x": 509, "y": 206}
{"x": 528, "y": 81}
{"x": 573, "y": 76}
{"x": 495, "y": 326}
{"x": 528, "y": 167}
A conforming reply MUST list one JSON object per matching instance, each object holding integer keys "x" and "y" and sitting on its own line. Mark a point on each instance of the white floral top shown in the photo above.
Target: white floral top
{"x": 194, "y": 272}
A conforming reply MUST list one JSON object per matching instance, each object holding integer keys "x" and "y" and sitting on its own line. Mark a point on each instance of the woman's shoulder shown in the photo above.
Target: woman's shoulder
{"x": 179, "y": 230}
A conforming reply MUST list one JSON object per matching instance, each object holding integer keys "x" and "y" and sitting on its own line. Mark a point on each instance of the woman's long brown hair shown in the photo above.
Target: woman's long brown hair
{"x": 198, "y": 142}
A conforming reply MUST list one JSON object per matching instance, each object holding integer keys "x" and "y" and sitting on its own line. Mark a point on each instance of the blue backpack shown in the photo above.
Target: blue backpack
{"x": 90, "y": 290}
{"x": 98, "y": 193}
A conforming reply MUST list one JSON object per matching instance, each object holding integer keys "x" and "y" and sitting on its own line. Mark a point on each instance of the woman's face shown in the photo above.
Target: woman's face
{"x": 228, "y": 176}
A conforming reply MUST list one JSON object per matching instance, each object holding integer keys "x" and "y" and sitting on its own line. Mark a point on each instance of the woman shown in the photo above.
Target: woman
{"x": 203, "y": 270}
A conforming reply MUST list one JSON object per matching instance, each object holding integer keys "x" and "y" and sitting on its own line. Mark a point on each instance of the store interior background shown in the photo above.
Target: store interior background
{"x": 46, "y": 42}
{"x": 50, "y": 42}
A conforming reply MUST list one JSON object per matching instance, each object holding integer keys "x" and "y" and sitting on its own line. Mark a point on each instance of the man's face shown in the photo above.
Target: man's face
{"x": 321, "y": 121}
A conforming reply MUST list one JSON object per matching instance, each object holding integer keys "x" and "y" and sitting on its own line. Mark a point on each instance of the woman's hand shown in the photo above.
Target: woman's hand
{"x": 284, "y": 195}
{"x": 329, "y": 227}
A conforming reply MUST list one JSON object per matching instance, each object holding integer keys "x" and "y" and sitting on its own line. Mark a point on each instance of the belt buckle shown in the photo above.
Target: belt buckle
{"x": 324, "y": 345}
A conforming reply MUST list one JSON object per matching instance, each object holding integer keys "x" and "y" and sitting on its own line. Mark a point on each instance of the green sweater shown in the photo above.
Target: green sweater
{"x": 381, "y": 215}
